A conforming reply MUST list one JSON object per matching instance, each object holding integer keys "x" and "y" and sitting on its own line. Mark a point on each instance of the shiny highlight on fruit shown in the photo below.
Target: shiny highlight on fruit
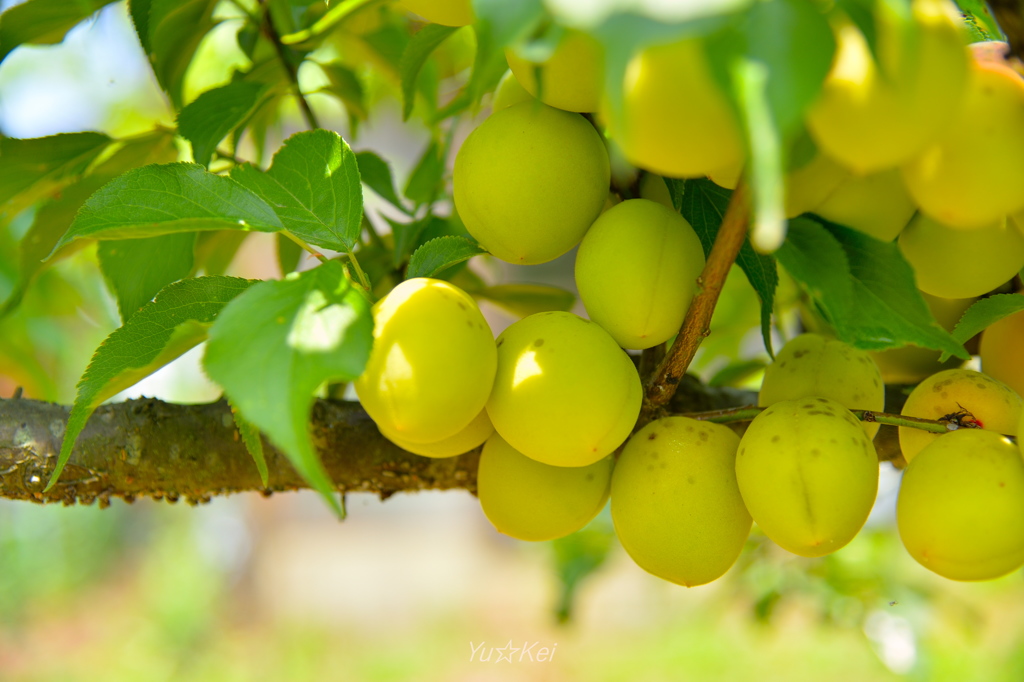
{"x": 432, "y": 364}
{"x": 564, "y": 394}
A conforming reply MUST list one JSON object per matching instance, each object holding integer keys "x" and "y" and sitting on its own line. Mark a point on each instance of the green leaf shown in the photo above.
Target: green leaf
{"x": 416, "y": 53}
{"x": 499, "y": 24}
{"x": 979, "y": 20}
{"x": 137, "y": 269}
{"x": 139, "y": 11}
{"x": 816, "y": 260}
{"x": 703, "y": 204}
{"x": 577, "y": 556}
{"x": 773, "y": 85}
{"x": 288, "y": 253}
{"x": 440, "y": 254}
{"x": 275, "y": 344}
{"x": 214, "y": 114}
{"x": 376, "y": 174}
{"x": 42, "y": 22}
{"x": 794, "y": 77}
{"x": 174, "y": 197}
{"x": 527, "y": 299}
{"x": 346, "y": 86}
{"x": 623, "y": 34}
{"x": 175, "y": 29}
{"x": 253, "y": 444}
{"x": 388, "y": 41}
{"x": 406, "y": 236}
{"x": 334, "y": 17}
{"x": 984, "y": 313}
{"x": 30, "y": 169}
{"x": 863, "y": 287}
{"x": 176, "y": 321}
{"x": 215, "y": 250}
{"x": 425, "y": 182}
{"x": 313, "y": 184}
{"x": 765, "y": 171}
{"x": 862, "y": 14}
{"x": 54, "y": 217}
{"x": 51, "y": 221}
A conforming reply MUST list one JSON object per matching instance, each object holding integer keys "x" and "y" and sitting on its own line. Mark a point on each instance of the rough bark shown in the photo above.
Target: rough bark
{"x": 163, "y": 450}
{"x": 147, "y": 447}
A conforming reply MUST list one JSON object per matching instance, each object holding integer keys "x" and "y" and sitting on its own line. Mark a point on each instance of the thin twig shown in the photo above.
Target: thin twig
{"x": 305, "y": 247}
{"x": 749, "y": 412}
{"x": 650, "y": 358}
{"x": 275, "y": 38}
{"x": 228, "y": 156}
{"x": 363, "y": 279}
{"x": 696, "y": 325}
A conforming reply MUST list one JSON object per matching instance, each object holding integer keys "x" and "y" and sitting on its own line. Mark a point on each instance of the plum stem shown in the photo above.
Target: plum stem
{"x": 748, "y": 412}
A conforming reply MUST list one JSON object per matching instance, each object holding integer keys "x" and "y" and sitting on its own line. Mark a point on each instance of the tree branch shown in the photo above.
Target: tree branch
{"x": 697, "y": 323}
{"x": 148, "y": 447}
{"x": 293, "y": 75}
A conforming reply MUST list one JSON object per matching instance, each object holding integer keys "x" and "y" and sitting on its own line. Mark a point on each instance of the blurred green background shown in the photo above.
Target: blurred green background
{"x": 419, "y": 587}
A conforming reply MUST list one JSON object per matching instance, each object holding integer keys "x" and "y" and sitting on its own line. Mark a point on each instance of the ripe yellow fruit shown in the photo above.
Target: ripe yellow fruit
{"x": 653, "y": 188}
{"x": 445, "y": 12}
{"x": 992, "y": 403}
{"x": 432, "y": 364}
{"x": 875, "y": 204}
{"x": 572, "y": 78}
{"x": 564, "y": 394}
{"x": 871, "y": 120}
{"x": 911, "y": 364}
{"x": 971, "y": 176}
{"x": 730, "y": 176}
{"x": 529, "y": 181}
{"x": 810, "y": 183}
{"x": 509, "y": 92}
{"x": 478, "y": 430}
{"x": 637, "y": 270}
{"x": 815, "y": 365}
{"x": 675, "y": 501}
{"x": 954, "y": 263}
{"x": 808, "y": 475}
{"x": 676, "y": 121}
{"x": 1002, "y": 351}
{"x": 960, "y": 511}
{"x": 533, "y": 501}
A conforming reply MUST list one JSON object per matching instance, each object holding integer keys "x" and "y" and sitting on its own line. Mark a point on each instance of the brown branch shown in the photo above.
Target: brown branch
{"x": 163, "y": 450}
{"x": 697, "y": 323}
{"x": 151, "y": 448}
{"x": 272, "y": 34}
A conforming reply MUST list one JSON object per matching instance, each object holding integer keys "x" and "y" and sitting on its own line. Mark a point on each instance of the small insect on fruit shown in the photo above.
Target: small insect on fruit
{"x": 961, "y": 419}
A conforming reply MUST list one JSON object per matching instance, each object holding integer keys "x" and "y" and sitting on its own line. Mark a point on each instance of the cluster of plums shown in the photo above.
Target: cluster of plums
{"x": 554, "y": 396}
{"x": 927, "y": 145}
{"x": 920, "y": 139}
